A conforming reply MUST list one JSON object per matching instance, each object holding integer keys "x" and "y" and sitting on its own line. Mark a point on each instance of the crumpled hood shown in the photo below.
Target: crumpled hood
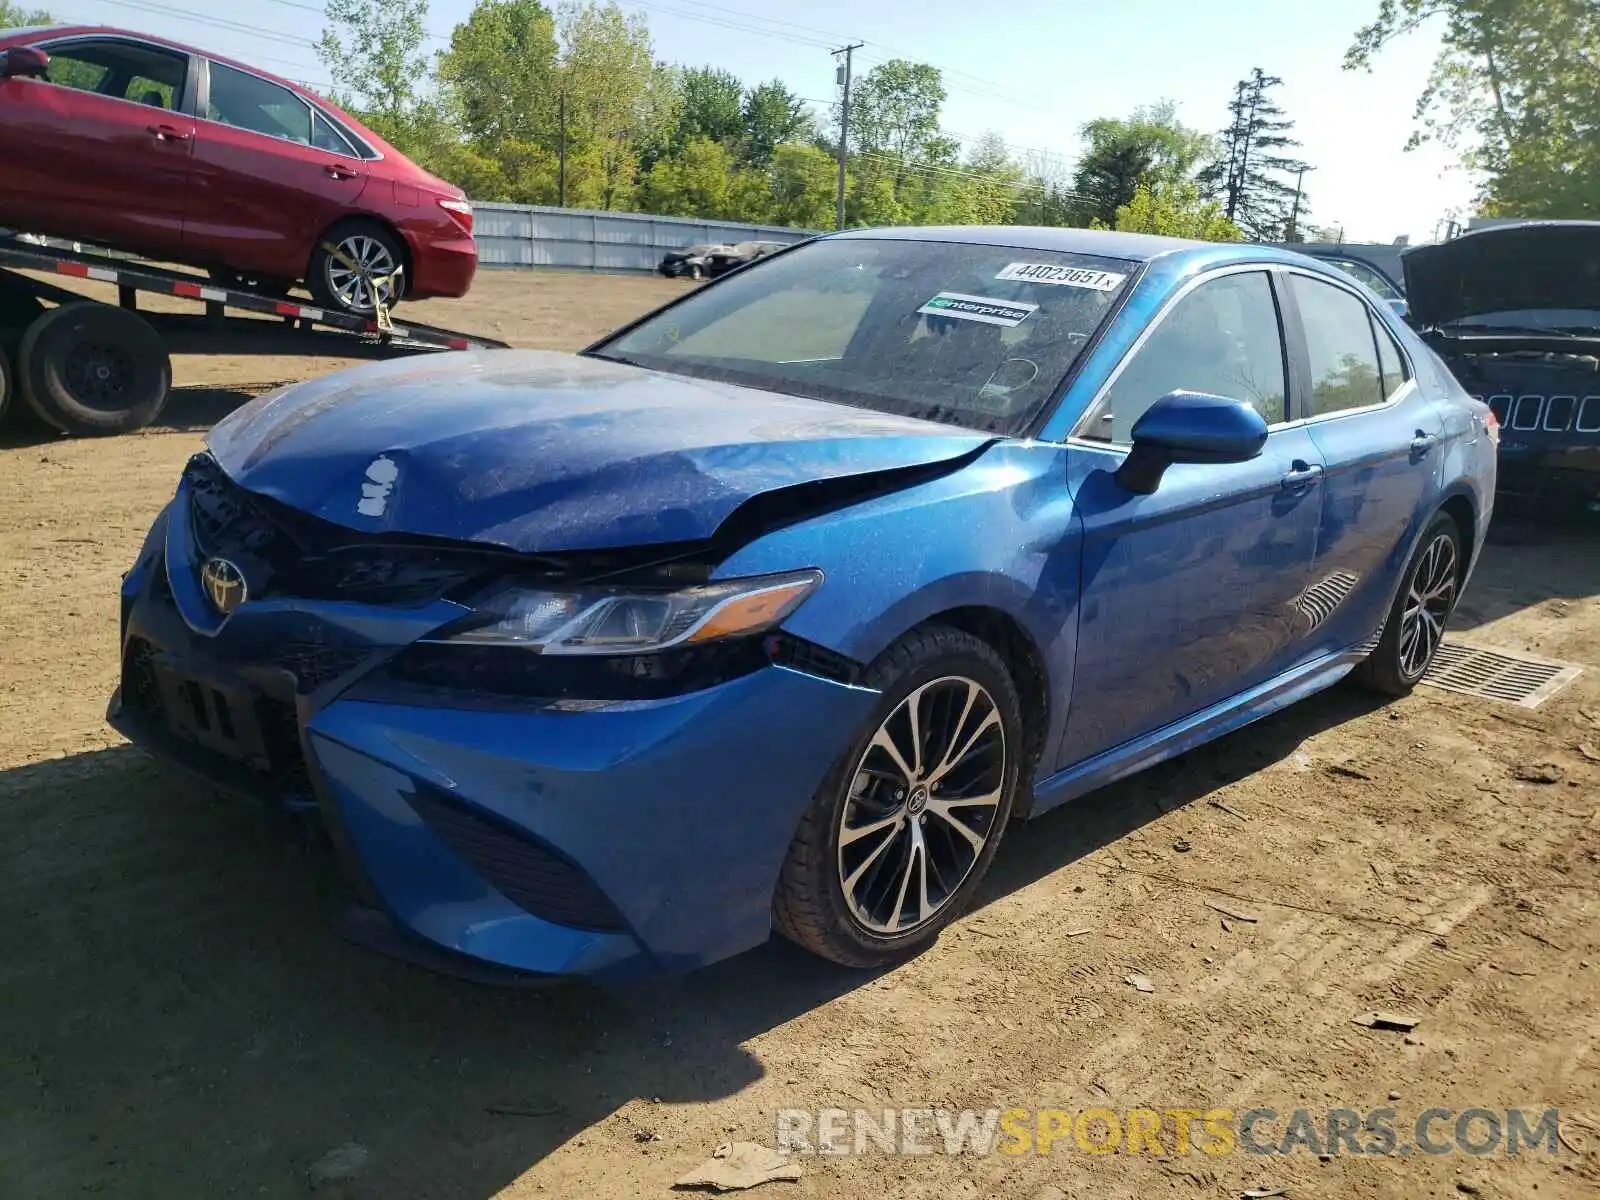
{"x": 1513, "y": 268}
{"x": 544, "y": 452}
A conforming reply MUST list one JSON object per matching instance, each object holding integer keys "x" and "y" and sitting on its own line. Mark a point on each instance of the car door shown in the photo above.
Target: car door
{"x": 1379, "y": 437}
{"x": 271, "y": 173}
{"x": 1188, "y": 594}
{"x": 99, "y": 149}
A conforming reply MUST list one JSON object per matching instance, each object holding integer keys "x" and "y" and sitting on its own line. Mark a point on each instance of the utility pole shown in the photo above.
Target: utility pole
{"x": 561, "y": 168}
{"x": 1292, "y": 233}
{"x": 843, "y": 76}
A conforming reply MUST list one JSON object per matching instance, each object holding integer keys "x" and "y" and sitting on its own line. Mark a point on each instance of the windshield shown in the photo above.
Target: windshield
{"x": 977, "y": 336}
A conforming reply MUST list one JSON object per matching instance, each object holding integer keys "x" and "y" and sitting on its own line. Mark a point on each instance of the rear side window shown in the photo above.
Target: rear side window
{"x": 1344, "y": 355}
{"x": 1364, "y": 274}
{"x": 1391, "y": 362}
{"x": 324, "y": 136}
{"x": 249, "y": 102}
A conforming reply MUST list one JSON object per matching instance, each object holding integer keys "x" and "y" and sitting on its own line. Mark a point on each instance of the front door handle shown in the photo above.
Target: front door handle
{"x": 1301, "y": 477}
{"x": 166, "y": 133}
{"x": 1422, "y": 445}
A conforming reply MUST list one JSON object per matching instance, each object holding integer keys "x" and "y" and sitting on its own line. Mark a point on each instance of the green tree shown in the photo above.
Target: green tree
{"x": 1515, "y": 90}
{"x": 1173, "y": 209}
{"x": 1256, "y": 177}
{"x": 15, "y": 17}
{"x": 713, "y": 105}
{"x": 804, "y": 179}
{"x": 373, "y": 50}
{"x": 1121, "y": 154}
{"x": 872, "y": 201}
{"x": 772, "y": 115}
{"x": 692, "y": 183}
{"x": 616, "y": 96}
{"x": 895, "y": 112}
{"x": 501, "y": 74}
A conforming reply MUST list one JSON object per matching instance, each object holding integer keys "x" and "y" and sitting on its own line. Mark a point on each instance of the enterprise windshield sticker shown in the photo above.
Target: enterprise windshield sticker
{"x": 1099, "y": 281}
{"x": 984, "y": 309}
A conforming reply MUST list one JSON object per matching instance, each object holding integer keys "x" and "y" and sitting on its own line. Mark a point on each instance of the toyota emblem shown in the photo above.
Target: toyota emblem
{"x": 224, "y": 585}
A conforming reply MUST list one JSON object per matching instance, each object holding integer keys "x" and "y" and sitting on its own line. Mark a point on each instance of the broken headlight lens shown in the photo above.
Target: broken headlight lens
{"x": 639, "y": 621}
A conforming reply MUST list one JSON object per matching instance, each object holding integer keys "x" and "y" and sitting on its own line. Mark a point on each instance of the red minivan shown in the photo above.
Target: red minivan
{"x": 165, "y": 151}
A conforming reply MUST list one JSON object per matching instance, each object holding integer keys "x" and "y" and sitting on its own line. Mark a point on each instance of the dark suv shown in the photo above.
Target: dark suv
{"x": 1515, "y": 312}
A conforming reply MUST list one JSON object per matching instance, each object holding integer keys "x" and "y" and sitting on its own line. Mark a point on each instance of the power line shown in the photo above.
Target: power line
{"x": 217, "y": 22}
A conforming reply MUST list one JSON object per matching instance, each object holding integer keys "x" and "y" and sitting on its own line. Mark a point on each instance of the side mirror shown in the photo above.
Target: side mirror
{"x": 1189, "y": 427}
{"x": 24, "y": 62}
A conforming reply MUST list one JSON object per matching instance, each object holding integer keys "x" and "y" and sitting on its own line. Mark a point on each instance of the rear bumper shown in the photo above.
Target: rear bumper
{"x": 526, "y": 839}
{"x": 442, "y": 267}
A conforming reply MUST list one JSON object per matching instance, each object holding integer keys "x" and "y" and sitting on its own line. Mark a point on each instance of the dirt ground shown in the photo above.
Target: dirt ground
{"x": 179, "y": 1021}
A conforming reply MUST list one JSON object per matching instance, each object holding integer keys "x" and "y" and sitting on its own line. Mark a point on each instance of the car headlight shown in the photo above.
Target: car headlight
{"x": 601, "y": 620}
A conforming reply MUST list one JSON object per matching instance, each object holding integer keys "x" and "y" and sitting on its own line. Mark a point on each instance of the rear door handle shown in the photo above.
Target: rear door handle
{"x": 339, "y": 173}
{"x": 1422, "y": 445}
{"x": 166, "y": 133}
{"x": 1301, "y": 477}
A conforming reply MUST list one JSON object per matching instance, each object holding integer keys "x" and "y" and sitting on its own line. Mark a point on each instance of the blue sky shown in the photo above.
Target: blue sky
{"x": 1032, "y": 70}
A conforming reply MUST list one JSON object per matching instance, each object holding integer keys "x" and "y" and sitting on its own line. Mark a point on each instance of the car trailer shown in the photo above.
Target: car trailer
{"x": 88, "y": 366}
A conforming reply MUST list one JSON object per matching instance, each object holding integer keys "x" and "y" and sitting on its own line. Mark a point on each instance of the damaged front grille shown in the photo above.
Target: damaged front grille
{"x": 287, "y": 553}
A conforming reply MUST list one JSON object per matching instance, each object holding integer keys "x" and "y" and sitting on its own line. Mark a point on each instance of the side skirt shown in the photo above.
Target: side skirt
{"x": 1204, "y": 726}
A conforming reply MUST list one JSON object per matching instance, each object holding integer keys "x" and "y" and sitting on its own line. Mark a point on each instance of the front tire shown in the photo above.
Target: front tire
{"x": 1415, "y": 625}
{"x": 907, "y": 822}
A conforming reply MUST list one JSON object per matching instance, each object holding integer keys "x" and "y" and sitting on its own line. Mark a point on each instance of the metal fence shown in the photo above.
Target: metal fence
{"x": 524, "y": 235}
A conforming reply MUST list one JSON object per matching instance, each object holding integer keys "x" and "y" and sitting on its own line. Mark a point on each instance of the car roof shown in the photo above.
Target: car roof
{"x": 1181, "y": 255}
{"x": 1134, "y": 247}
{"x": 57, "y": 31}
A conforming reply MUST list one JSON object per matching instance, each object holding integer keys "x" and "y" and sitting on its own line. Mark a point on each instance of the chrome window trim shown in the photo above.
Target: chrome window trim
{"x": 1346, "y": 284}
{"x": 190, "y": 69}
{"x": 1090, "y": 411}
{"x": 356, "y": 143}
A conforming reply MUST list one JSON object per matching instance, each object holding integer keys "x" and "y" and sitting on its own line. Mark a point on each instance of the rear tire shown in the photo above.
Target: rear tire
{"x": 884, "y": 832}
{"x": 376, "y": 250}
{"x": 7, "y": 388}
{"x": 89, "y": 368}
{"x": 1415, "y": 625}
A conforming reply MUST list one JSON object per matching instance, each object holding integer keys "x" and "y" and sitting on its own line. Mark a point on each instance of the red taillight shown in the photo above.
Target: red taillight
{"x": 1491, "y": 426}
{"x": 460, "y": 210}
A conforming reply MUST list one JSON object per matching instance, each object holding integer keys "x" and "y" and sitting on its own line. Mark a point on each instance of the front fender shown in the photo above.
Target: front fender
{"x": 1000, "y": 534}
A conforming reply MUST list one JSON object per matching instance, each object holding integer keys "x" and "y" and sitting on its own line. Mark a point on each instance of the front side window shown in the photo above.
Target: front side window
{"x": 1339, "y": 340}
{"x": 1222, "y": 339}
{"x": 120, "y": 70}
{"x": 977, "y": 336}
{"x": 248, "y": 102}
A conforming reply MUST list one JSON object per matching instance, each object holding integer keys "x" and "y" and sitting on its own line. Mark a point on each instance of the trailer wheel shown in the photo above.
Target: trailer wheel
{"x": 90, "y": 368}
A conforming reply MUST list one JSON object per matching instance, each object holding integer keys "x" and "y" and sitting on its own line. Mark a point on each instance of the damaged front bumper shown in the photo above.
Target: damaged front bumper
{"x": 490, "y": 836}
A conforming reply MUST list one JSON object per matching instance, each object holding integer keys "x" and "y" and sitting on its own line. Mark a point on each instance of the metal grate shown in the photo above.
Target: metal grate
{"x": 1498, "y": 674}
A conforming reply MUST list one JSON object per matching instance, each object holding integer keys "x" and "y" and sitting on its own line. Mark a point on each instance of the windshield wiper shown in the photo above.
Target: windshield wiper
{"x": 1555, "y": 331}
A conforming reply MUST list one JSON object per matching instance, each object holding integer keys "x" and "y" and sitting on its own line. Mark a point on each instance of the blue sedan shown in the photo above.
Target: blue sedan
{"x": 778, "y": 608}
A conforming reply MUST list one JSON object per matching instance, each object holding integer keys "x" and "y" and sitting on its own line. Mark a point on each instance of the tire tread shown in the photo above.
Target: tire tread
{"x": 798, "y": 909}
